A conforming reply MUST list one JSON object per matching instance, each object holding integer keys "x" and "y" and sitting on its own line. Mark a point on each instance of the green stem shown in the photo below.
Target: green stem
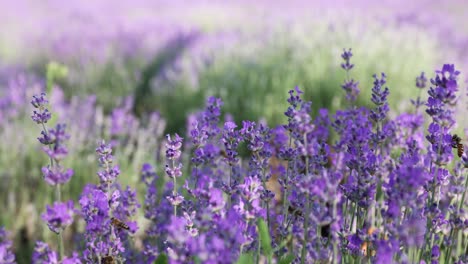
{"x": 174, "y": 192}
{"x": 265, "y": 188}
{"x": 307, "y": 209}
{"x": 462, "y": 201}
{"x": 285, "y": 197}
{"x": 306, "y": 231}
{"x": 449, "y": 250}
{"x": 60, "y": 234}
{"x": 352, "y": 217}
{"x": 335, "y": 246}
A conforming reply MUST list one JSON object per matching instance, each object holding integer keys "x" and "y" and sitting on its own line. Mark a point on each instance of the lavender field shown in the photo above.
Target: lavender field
{"x": 233, "y": 131}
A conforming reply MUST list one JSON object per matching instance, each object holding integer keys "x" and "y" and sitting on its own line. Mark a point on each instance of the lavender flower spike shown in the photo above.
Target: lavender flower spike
{"x": 42, "y": 114}
{"x": 59, "y": 216}
{"x": 6, "y": 254}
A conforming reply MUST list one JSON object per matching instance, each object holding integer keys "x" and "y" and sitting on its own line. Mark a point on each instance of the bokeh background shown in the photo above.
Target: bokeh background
{"x": 131, "y": 71}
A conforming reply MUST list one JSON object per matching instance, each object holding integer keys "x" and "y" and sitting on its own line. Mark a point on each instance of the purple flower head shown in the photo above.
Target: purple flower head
{"x": 56, "y": 175}
{"x": 210, "y": 117}
{"x": 346, "y": 55}
{"x": 55, "y": 138}
{"x": 128, "y": 203}
{"x": 216, "y": 201}
{"x": 42, "y": 254}
{"x": 295, "y": 99}
{"x": 148, "y": 174}
{"x": 45, "y": 138}
{"x": 104, "y": 149}
{"x": 42, "y": 114}
{"x": 175, "y": 199}
{"x": 94, "y": 208}
{"x": 59, "y": 216}
{"x": 177, "y": 233}
{"x": 231, "y": 139}
{"x": 198, "y": 134}
{"x": 379, "y": 98}
{"x": 174, "y": 171}
{"x": 351, "y": 88}
{"x": 421, "y": 81}
{"x": 109, "y": 173}
{"x": 39, "y": 101}
{"x": 114, "y": 200}
{"x": 442, "y": 95}
{"x": 6, "y": 253}
{"x": 173, "y": 147}
{"x": 435, "y": 253}
{"x": 299, "y": 120}
{"x": 446, "y": 75}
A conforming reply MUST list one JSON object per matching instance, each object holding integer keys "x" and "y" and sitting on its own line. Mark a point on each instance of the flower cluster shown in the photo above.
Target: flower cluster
{"x": 107, "y": 210}
{"x": 6, "y": 253}
{"x": 358, "y": 185}
{"x": 60, "y": 215}
{"x": 350, "y": 86}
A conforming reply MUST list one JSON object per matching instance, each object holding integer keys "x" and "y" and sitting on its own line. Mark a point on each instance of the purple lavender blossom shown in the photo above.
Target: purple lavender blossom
{"x": 42, "y": 114}
{"x": 43, "y": 254}
{"x": 95, "y": 209}
{"x": 173, "y": 153}
{"x": 379, "y": 98}
{"x": 421, "y": 81}
{"x": 350, "y": 86}
{"x": 6, "y": 253}
{"x": 347, "y": 57}
{"x": 231, "y": 141}
{"x": 107, "y": 176}
{"x": 56, "y": 175}
{"x": 59, "y": 216}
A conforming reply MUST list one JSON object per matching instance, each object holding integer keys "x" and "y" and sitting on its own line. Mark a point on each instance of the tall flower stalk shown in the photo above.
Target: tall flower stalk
{"x": 173, "y": 170}
{"x": 60, "y": 215}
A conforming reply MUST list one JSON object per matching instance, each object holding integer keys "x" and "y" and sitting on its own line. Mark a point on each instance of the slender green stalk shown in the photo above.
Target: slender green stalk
{"x": 353, "y": 206}
{"x": 449, "y": 250}
{"x": 230, "y": 176}
{"x": 286, "y": 190}
{"x": 462, "y": 200}
{"x": 60, "y": 234}
{"x": 307, "y": 209}
{"x": 335, "y": 245}
{"x": 265, "y": 187}
{"x": 58, "y": 198}
{"x": 175, "y": 189}
{"x": 306, "y": 231}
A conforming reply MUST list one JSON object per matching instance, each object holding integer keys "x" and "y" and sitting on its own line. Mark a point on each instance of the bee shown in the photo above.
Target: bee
{"x": 223, "y": 153}
{"x": 460, "y": 150}
{"x": 119, "y": 224}
{"x": 108, "y": 260}
{"x": 456, "y": 143}
{"x": 367, "y": 248}
{"x": 294, "y": 211}
{"x": 455, "y": 140}
{"x": 325, "y": 230}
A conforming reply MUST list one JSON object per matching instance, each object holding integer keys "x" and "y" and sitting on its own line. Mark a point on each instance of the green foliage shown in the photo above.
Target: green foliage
{"x": 162, "y": 259}
{"x": 286, "y": 259}
{"x": 265, "y": 240}
{"x": 55, "y": 71}
{"x": 254, "y": 78}
{"x": 246, "y": 258}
